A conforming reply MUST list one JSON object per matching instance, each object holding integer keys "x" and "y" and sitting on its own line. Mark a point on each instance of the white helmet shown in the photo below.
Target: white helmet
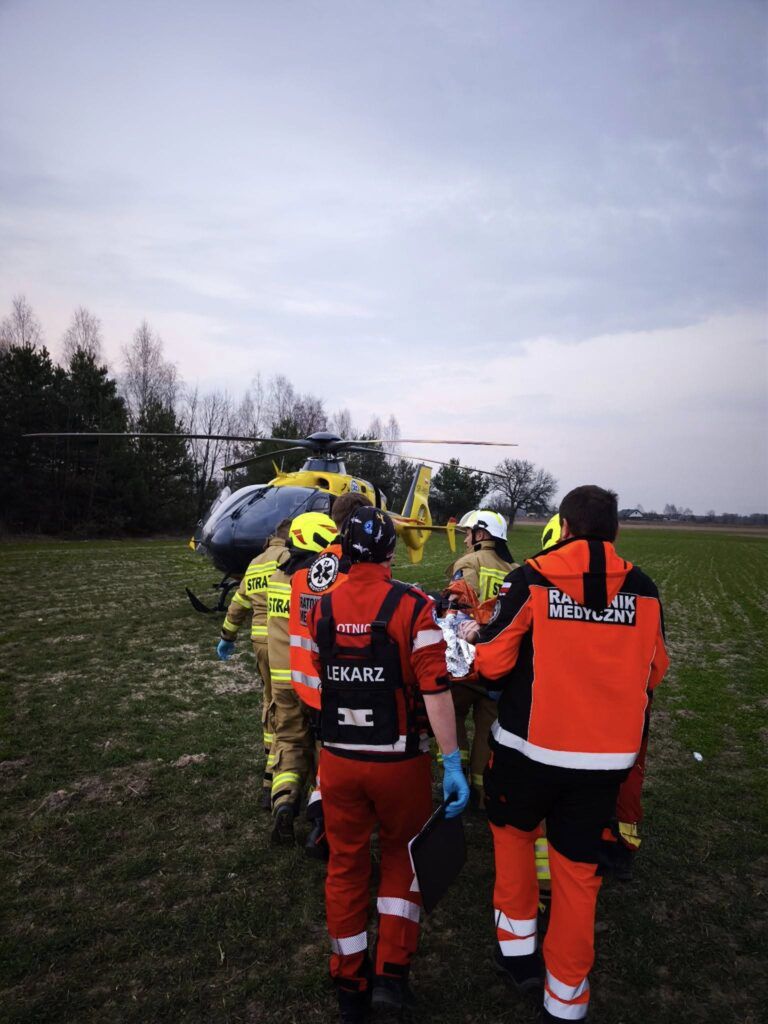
{"x": 485, "y": 519}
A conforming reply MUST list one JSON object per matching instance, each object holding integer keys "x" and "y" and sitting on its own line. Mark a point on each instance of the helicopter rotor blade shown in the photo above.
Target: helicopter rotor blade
{"x": 257, "y": 458}
{"x": 437, "y": 462}
{"x": 421, "y": 440}
{"x": 302, "y": 442}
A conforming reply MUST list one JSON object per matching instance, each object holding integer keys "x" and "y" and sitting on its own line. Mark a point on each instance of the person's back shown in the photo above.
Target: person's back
{"x": 575, "y": 645}
{"x": 483, "y": 568}
{"x": 381, "y": 660}
{"x": 250, "y": 598}
{"x": 583, "y": 669}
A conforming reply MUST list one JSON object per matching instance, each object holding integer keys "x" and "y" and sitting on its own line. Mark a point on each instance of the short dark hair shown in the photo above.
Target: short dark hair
{"x": 591, "y": 511}
{"x": 347, "y": 503}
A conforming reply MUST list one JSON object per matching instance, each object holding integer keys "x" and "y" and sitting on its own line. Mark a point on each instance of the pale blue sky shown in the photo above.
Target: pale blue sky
{"x": 541, "y": 221}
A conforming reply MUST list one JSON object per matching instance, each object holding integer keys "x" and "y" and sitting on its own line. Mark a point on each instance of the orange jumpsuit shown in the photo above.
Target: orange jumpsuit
{"x": 375, "y": 762}
{"x": 575, "y": 645}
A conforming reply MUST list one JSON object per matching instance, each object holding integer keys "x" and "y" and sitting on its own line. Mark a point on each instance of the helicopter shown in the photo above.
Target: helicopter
{"x": 238, "y": 523}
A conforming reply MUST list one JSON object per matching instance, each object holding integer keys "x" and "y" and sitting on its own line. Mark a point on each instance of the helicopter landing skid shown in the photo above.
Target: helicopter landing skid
{"x": 224, "y": 588}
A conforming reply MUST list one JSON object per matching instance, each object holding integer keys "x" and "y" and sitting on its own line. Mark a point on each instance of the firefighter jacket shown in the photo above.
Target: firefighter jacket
{"x": 251, "y": 595}
{"x": 379, "y": 650}
{"x": 327, "y": 571}
{"x": 576, "y": 644}
{"x": 278, "y": 614}
{"x": 483, "y": 569}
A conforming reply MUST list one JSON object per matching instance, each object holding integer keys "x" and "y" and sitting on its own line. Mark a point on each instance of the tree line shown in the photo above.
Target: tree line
{"x": 145, "y": 486}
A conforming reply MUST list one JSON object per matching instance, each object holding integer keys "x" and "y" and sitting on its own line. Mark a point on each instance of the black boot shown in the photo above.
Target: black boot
{"x": 282, "y": 828}
{"x": 353, "y": 1007}
{"x": 316, "y": 845}
{"x": 391, "y": 995}
{"x": 525, "y": 973}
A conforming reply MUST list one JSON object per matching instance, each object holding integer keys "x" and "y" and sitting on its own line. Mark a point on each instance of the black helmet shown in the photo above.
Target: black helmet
{"x": 368, "y": 535}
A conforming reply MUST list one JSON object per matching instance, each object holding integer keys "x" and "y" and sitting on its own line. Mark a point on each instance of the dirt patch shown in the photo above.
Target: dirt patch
{"x": 187, "y": 759}
{"x": 130, "y": 783}
{"x": 224, "y": 689}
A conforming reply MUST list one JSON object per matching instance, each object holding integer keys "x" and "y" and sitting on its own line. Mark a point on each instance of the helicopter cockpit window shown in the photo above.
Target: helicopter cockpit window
{"x": 321, "y": 503}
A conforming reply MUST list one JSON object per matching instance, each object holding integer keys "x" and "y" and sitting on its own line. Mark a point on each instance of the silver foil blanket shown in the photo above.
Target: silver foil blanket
{"x": 459, "y": 654}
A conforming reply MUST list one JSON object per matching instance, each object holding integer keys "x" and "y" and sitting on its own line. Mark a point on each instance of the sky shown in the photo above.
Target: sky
{"x": 541, "y": 222}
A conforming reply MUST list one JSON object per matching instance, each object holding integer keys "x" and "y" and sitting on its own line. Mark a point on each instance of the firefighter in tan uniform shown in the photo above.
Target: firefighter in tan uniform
{"x": 483, "y": 566}
{"x": 293, "y": 748}
{"x": 251, "y": 599}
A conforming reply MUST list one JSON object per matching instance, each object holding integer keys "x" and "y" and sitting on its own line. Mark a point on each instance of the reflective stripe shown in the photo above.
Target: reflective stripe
{"x": 305, "y": 642}
{"x": 269, "y": 737}
{"x": 271, "y": 759}
{"x": 242, "y": 601}
{"x": 489, "y": 582}
{"x": 564, "y": 1011}
{"x": 380, "y": 748}
{"x": 515, "y": 926}
{"x": 258, "y": 630}
{"x": 628, "y": 832}
{"x": 541, "y": 851}
{"x": 426, "y": 638}
{"x": 280, "y": 675}
{"x": 229, "y": 625}
{"x": 562, "y": 758}
{"x": 567, "y": 992}
{"x": 518, "y": 947}
{"x": 313, "y": 682}
{"x": 285, "y": 779}
{"x": 396, "y": 907}
{"x": 477, "y": 780}
{"x": 350, "y": 945}
{"x": 464, "y": 754}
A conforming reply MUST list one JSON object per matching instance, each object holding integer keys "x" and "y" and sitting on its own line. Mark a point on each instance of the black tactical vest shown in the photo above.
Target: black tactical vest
{"x": 360, "y": 684}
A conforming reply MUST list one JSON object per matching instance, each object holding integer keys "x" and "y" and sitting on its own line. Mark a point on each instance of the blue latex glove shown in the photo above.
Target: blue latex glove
{"x": 455, "y": 787}
{"x": 225, "y": 649}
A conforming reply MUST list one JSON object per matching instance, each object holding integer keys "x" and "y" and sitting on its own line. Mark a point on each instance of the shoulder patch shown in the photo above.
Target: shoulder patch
{"x": 495, "y": 613}
{"x": 323, "y": 572}
{"x": 458, "y": 575}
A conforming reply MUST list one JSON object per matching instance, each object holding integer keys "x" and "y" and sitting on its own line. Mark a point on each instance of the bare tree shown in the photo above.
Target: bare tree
{"x": 213, "y": 413}
{"x": 21, "y": 327}
{"x": 83, "y": 334}
{"x": 341, "y": 423}
{"x": 251, "y": 415}
{"x": 309, "y": 414}
{"x": 523, "y": 486}
{"x": 148, "y": 378}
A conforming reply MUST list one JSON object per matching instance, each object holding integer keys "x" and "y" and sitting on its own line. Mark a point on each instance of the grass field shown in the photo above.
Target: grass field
{"x": 138, "y": 883}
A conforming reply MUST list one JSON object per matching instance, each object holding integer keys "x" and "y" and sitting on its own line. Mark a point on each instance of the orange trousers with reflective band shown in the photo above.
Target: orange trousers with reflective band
{"x": 357, "y": 795}
{"x": 569, "y": 950}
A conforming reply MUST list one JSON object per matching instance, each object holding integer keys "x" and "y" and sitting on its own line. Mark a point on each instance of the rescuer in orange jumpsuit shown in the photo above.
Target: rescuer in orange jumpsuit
{"x": 575, "y": 644}
{"x": 381, "y": 660}
{"x": 326, "y": 572}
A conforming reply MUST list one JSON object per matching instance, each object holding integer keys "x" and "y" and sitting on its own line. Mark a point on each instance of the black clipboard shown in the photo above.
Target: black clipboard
{"x": 438, "y": 853}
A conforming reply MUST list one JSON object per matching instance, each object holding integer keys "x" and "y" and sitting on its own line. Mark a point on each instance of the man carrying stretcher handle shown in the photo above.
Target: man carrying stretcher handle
{"x": 381, "y": 661}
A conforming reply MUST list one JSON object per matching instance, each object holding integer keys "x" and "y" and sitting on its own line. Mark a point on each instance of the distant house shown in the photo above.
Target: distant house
{"x": 631, "y": 513}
